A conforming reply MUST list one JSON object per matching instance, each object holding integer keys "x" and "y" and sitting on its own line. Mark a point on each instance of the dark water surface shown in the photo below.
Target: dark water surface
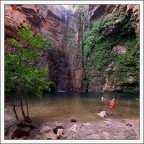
{"x": 84, "y": 107}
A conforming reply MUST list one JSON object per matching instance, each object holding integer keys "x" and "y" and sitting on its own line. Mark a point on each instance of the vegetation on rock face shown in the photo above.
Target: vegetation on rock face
{"x": 20, "y": 75}
{"x": 99, "y": 54}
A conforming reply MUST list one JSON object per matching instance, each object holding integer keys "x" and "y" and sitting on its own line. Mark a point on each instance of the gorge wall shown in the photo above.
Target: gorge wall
{"x": 58, "y": 25}
{"x": 64, "y": 57}
{"x": 116, "y": 37}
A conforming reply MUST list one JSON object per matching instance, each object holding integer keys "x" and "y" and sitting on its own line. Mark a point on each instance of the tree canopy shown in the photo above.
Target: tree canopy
{"x": 20, "y": 74}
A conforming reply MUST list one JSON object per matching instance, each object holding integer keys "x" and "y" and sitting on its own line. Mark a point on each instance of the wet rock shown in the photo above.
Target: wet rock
{"x": 102, "y": 114}
{"x": 18, "y": 132}
{"x": 78, "y": 76}
{"x": 74, "y": 128}
{"x": 73, "y": 120}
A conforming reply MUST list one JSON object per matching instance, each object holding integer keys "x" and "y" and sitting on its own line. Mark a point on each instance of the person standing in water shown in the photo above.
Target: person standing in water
{"x": 102, "y": 99}
{"x": 102, "y": 107}
{"x": 112, "y": 105}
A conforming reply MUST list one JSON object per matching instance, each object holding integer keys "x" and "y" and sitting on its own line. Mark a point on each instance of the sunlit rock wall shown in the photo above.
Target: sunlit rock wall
{"x": 64, "y": 57}
{"x": 53, "y": 22}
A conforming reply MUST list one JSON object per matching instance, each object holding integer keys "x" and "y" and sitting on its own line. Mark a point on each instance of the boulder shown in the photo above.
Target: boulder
{"x": 49, "y": 135}
{"x": 60, "y": 133}
{"x": 18, "y": 132}
{"x": 56, "y": 129}
{"x": 44, "y": 129}
{"x": 73, "y": 120}
{"x": 102, "y": 114}
{"x": 47, "y": 132}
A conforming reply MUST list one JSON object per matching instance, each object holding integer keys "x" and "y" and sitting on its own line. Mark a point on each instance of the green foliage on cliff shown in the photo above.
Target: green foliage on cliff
{"x": 99, "y": 42}
{"x": 100, "y": 28}
{"x": 20, "y": 75}
{"x": 127, "y": 64}
{"x": 77, "y": 7}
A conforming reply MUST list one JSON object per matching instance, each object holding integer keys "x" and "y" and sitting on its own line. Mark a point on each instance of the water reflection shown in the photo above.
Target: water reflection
{"x": 63, "y": 106}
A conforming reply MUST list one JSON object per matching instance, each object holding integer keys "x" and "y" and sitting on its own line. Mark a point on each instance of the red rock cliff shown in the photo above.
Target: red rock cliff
{"x": 54, "y": 22}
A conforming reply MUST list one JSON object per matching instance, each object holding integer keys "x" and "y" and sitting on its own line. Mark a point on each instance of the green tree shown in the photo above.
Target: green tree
{"x": 20, "y": 74}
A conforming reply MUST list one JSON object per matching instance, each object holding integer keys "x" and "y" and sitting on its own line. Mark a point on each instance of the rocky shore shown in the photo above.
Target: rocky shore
{"x": 106, "y": 129}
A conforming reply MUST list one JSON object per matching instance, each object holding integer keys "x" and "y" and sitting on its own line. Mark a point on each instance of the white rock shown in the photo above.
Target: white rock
{"x": 86, "y": 124}
{"x": 102, "y": 114}
{"x": 59, "y": 132}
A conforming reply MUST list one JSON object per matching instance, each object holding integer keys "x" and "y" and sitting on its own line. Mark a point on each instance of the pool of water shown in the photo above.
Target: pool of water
{"x": 84, "y": 107}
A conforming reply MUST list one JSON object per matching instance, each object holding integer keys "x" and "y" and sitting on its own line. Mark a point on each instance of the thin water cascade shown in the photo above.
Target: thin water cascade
{"x": 65, "y": 15}
{"x": 61, "y": 75}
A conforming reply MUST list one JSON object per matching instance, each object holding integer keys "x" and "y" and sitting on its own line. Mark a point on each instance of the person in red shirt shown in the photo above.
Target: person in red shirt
{"x": 112, "y": 104}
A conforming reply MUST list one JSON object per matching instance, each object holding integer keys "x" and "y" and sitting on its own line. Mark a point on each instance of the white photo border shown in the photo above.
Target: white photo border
{"x": 68, "y": 3}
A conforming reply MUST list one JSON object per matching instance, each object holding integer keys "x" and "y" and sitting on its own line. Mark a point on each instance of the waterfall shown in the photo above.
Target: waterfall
{"x": 66, "y": 12}
{"x": 61, "y": 75}
{"x": 65, "y": 15}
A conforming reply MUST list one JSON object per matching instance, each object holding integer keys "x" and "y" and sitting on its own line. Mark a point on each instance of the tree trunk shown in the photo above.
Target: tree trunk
{"x": 27, "y": 118}
{"x": 24, "y": 116}
{"x": 14, "y": 110}
{"x": 27, "y": 106}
